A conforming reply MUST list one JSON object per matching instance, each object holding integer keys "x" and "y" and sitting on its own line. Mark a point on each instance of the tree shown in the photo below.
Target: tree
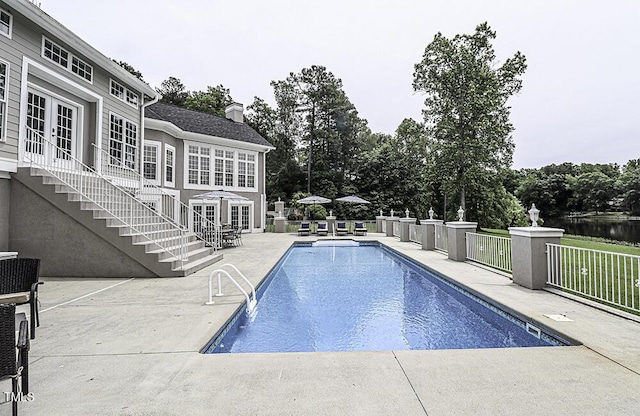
{"x": 466, "y": 111}
{"x": 213, "y": 101}
{"x": 173, "y": 92}
{"x": 629, "y": 185}
{"x": 595, "y": 190}
{"x": 131, "y": 69}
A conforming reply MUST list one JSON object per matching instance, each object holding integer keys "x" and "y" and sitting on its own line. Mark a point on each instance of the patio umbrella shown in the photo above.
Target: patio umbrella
{"x": 314, "y": 199}
{"x": 353, "y": 199}
{"x": 221, "y": 195}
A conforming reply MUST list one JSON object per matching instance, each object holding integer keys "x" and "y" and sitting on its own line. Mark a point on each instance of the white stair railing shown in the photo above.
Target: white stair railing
{"x": 251, "y": 303}
{"x": 119, "y": 202}
{"x": 167, "y": 204}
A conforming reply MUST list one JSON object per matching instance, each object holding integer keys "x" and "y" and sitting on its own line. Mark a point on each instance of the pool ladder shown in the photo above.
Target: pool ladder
{"x": 251, "y": 303}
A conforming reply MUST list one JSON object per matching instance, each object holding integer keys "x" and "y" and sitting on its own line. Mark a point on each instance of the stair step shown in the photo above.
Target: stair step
{"x": 193, "y": 255}
{"x": 193, "y": 266}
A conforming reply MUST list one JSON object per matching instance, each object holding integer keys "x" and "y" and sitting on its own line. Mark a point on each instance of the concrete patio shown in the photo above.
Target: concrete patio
{"x": 131, "y": 347}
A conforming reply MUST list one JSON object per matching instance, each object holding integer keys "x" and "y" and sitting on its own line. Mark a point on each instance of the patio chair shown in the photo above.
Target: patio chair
{"x": 229, "y": 237}
{"x": 19, "y": 284}
{"x": 323, "y": 229}
{"x": 239, "y": 237}
{"x": 14, "y": 365}
{"x": 359, "y": 229}
{"x": 304, "y": 229}
{"x": 341, "y": 228}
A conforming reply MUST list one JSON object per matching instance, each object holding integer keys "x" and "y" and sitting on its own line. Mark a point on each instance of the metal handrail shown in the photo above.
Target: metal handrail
{"x": 113, "y": 166}
{"x": 110, "y": 197}
{"x": 251, "y": 304}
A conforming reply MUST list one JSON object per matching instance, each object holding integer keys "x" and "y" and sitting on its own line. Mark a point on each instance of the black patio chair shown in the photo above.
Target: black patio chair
{"x": 14, "y": 365}
{"x": 19, "y": 284}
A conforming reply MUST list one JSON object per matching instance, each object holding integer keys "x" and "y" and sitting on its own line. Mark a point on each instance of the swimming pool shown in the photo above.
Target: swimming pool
{"x": 367, "y": 297}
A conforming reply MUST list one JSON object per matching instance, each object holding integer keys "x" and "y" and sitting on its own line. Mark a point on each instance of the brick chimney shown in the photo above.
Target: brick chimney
{"x": 234, "y": 111}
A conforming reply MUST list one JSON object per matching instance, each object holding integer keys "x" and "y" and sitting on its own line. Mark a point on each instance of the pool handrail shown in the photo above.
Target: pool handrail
{"x": 251, "y": 304}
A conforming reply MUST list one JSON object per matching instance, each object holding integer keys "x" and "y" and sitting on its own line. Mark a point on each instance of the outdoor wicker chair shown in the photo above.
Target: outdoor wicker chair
{"x": 19, "y": 284}
{"x": 341, "y": 228}
{"x": 14, "y": 365}
{"x": 323, "y": 229}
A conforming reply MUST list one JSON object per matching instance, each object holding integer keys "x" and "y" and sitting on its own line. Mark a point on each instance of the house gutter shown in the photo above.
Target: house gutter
{"x": 144, "y": 105}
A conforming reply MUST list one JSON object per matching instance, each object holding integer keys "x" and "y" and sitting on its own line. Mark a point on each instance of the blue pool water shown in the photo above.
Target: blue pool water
{"x": 366, "y": 297}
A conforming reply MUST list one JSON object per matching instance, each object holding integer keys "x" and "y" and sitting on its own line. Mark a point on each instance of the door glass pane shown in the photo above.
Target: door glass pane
{"x": 234, "y": 216}
{"x": 245, "y": 217}
{"x": 64, "y": 131}
{"x": 35, "y": 123}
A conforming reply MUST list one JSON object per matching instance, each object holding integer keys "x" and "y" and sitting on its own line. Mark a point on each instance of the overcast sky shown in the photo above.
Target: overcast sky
{"x": 581, "y": 93}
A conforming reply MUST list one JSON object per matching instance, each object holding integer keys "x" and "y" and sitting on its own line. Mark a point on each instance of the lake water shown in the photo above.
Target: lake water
{"x": 621, "y": 230}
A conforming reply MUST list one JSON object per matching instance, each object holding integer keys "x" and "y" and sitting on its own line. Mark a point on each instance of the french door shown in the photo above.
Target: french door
{"x": 241, "y": 216}
{"x": 50, "y": 120}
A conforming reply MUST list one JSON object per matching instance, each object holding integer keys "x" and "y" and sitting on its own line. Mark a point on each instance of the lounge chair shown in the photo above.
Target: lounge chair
{"x": 323, "y": 229}
{"x": 341, "y": 228}
{"x": 304, "y": 229}
{"x": 359, "y": 229}
{"x": 19, "y": 280}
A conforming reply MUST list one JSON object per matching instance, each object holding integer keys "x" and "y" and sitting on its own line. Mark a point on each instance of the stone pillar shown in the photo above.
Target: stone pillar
{"x": 457, "y": 240}
{"x": 280, "y": 224}
{"x": 404, "y": 228}
{"x": 379, "y": 220}
{"x": 331, "y": 224}
{"x": 529, "y": 254}
{"x": 429, "y": 233}
{"x": 390, "y": 221}
{"x": 279, "y": 208}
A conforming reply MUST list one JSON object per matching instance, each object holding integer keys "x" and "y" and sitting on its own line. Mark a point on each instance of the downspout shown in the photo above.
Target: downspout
{"x": 143, "y": 105}
{"x": 264, "y": 190}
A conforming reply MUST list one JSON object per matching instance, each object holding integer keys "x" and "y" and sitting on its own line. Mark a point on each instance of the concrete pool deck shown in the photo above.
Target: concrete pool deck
{"x": 131, "y": 347}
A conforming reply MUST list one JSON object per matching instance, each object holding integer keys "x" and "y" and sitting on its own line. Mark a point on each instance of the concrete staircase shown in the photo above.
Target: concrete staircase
{"x": 156, "y": 243}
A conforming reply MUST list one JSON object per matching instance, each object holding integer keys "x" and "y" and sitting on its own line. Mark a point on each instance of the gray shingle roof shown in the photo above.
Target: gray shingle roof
{"x": 203, "y": 123}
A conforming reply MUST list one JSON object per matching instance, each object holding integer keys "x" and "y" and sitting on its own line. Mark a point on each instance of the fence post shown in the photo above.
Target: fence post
{"x": 456, "y": 231}
{"x": 331, "y": 224}
{"x": 390, "y": 221}
{"x": 429, "y": 233}
{"x": 280, "y": 224}
{"x": 529, "y": 254}
{"x": 379, "y": 219}
{"x": 404, "y": 228}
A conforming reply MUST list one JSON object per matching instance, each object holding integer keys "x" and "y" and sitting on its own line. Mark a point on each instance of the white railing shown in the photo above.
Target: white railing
{"x": 384, "y": 226}
{"x": 442, "y": 237}
{"x": 606, "y": 277}
{"x": 396, "y": 229}
{"x": 251, "y": 304}
{"x": 490, "y": 250}
{"x": 117, "y": 201}
{"x": 164, "y": 203}
{"x": 415, "y": 233}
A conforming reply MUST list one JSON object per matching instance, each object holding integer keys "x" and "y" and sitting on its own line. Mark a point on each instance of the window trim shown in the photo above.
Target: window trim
{"x": 136, "y": 161}
{"x": 212, "y": 167}
{"x": 172, "y": 183}
{"x": 4, "y": 102}
{"x": 70, "y": 57}
{"x": 158, "y": 147}
{"x": 10, "y": 34}
{"x": 125, "y": 92}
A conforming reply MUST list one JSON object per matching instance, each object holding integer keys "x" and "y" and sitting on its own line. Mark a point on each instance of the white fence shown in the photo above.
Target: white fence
{"x": 415, "y": 233}
{"x": 605, "y": 277}
{"x": 384, "y": 227}
{"x": 489, "y": 250}
{"x": 396, "y": 229}
{"x": 442, "y": 237}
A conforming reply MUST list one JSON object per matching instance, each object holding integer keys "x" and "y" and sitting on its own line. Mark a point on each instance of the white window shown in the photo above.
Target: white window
{"x": 150, "y": 162}
{"x": 68, "y": 61}
{"x": 199, "y": 165}
{"x": 4, "y": 85}
{"x": 246, "y": 170}
{"x": 223, "y": 168}
{"x": 169, "y": 165}
{"x": 123, "y": 141}
{"x": 6, "y": 23}
{"x": 123, "y": 94}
